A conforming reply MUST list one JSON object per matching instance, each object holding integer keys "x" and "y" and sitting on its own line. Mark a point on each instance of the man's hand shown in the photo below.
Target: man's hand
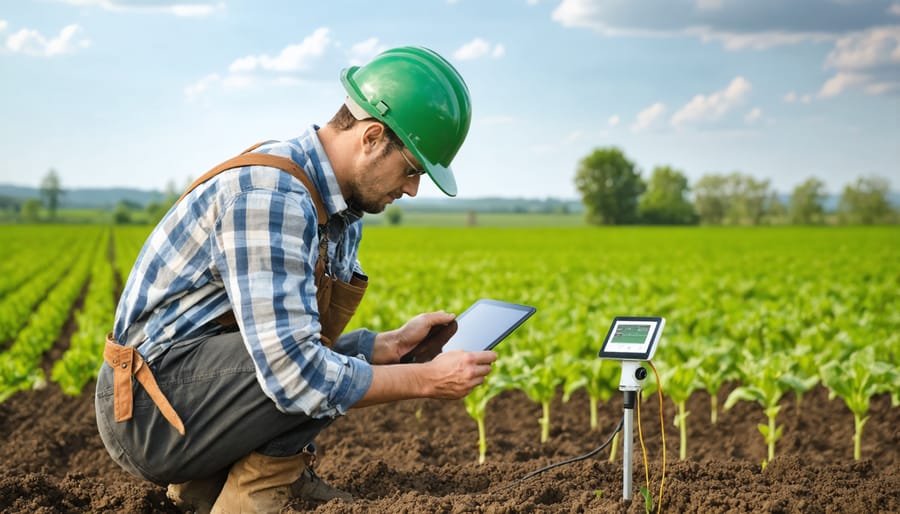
{"x": 453, "y": 375}
{"x": 391, "y": 346}
{"x": 450, "y": 376}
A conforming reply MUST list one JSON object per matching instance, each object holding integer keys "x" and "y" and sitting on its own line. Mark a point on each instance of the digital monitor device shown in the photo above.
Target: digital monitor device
{"x": 632, "y": 338}
{"x": 480, "y": 327}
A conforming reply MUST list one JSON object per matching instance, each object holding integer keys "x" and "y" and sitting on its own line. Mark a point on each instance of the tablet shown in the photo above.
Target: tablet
{"x": 481, "y": 327}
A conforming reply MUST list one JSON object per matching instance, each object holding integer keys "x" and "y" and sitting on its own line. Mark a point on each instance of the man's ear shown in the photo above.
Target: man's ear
{"x": 373, "y": 135}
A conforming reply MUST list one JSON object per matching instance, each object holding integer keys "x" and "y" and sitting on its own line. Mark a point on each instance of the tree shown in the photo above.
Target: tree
{"x": 806, "y": 203}
{"x": 393, "y": 215}
{"x": 776, "y": 211}
{"x": 122, "y": 213}
{"x": 610, "y": 185}
{"x": 711, "y": 198}
{"x": 866, "y": 202}
{"x": 31, "y": 210}
{"x": 748, "y": 199}
{"x": 734, "y": 199}
{"x": 51, "y": 191}
{"x": 665, "y": 202}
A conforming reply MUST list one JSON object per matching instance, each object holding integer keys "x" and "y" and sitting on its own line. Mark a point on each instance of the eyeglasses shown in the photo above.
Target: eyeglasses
{"x": 412, "y": 171}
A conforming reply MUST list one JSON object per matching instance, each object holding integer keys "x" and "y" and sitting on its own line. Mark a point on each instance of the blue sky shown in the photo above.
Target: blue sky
{"x": 143, "y": 93}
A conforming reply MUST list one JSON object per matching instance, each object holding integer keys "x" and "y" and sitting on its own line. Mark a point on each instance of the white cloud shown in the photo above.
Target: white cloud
{"x": 868, "y": 49}
{"x": 704, "y": 109}
{"x": 793, "y": 97}
{"x": 573, "y": 137}
{"x": 753, "y": 115}
{"x": 247, "y": 71}
{"x": 840, "y": 83}
{"x": 759, "y": 24}
{"x": 869, "y": 60}
{"x": 201, "y": 86}
{"x": 649, "y": 118}
{"x": 3, "y": 25}
{"x": 32, "y": 42}
{"x": 478, "y": 48}
{"x": 757, "y": 40}
{"x": 364, "y": 51}
{"x": 866, "y": 53}
{"x": 613, "y": 120}
{"x": 292, "y": 58}
{"x": 160, "y": 6}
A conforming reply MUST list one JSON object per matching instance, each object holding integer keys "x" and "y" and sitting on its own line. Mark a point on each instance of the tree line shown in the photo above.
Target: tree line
{"x": 614, "y": 193}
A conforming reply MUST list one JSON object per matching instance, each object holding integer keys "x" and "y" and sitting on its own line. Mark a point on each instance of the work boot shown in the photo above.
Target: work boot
{"x": 197, "y": 495}
{"x": 311, "y": 487}
{"x": 260, "y": 483}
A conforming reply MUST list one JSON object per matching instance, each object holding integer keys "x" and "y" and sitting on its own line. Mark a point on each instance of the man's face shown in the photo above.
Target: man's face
{"x": 383, "y": 178}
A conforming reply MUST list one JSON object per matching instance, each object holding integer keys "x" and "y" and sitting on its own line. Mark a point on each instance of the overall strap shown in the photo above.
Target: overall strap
{"x": 250, "y": 158}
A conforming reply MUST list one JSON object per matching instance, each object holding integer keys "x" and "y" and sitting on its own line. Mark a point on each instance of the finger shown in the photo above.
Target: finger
{"x": 440, "y": 317}
{"x": 485, "y": 357}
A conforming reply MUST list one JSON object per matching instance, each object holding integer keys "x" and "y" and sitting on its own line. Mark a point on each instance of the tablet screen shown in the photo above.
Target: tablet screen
{"x": 481, "y": 327}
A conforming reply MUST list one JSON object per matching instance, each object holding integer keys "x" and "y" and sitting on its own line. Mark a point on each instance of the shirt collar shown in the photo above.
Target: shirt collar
{"x": 314, "y": 161}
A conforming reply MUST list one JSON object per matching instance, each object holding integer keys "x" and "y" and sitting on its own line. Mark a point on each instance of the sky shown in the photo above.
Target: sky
{"x": 150, "y": 93}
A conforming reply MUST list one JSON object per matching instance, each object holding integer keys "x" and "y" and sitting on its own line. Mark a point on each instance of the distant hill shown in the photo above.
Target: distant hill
{"x": 492, "y": 205}
{"x": 87, "y": 198}
{"x": 107, "y": 198}
{"x": 99, "y": 198}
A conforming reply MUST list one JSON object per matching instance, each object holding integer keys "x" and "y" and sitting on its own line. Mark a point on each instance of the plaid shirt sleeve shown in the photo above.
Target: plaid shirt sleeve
{"x": 265, "y": 251}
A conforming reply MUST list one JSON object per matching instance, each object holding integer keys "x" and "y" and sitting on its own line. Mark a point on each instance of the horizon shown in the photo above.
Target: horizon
{"x": 137, "y": 94}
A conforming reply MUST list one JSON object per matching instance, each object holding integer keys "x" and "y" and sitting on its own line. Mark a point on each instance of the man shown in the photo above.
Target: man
{"x": 227, "y": 358}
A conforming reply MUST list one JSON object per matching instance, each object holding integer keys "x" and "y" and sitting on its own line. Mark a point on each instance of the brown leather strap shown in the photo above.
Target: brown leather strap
{"x": 127, "y": 362}
{"x": 250, "y": 158}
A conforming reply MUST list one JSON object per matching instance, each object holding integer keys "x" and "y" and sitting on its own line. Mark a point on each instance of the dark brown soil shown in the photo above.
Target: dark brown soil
{"x": 420, "y": 456}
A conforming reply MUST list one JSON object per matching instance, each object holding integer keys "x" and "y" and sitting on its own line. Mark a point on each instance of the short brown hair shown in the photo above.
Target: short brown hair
{"x": 344, "y": 120}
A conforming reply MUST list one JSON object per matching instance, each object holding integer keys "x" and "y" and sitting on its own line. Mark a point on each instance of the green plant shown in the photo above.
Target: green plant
{"x": 856, "y": 380}
{"x": 476, "y": 406}
{"x": 539, "y": 378}
{"x": 765, "y": 380}
{"x": 679, "y": 382}
{"x": 717, "y": 365}
{"x": 599, "y": 378}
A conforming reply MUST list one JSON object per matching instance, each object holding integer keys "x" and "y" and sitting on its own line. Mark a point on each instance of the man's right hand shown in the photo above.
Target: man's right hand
{"x": 450, "y": 375}
{"x": 454, "y": 374}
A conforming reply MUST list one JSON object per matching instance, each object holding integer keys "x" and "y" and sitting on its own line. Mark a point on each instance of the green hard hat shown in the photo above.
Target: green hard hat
{"x": 422, "y": 98}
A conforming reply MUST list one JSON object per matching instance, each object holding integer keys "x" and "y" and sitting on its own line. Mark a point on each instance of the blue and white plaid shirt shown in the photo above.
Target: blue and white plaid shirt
{"x": 248, "y": 240}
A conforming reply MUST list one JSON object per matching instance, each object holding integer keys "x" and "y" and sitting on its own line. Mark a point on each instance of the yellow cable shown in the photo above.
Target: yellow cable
{"x": 662, "y": 426}
{"x": 641, "y": 439}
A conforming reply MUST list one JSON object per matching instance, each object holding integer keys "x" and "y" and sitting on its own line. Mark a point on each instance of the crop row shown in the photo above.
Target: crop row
{"x": 33, "y": 316}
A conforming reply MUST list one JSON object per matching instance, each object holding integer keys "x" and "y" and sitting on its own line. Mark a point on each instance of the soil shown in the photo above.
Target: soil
{"x": 421, "y": 456}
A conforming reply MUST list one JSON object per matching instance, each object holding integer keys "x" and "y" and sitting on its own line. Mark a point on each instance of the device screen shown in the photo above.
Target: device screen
{"x": 632, "y": 338}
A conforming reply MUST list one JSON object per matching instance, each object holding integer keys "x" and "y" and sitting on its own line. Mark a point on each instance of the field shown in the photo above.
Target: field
{"x": 779, "y": 371}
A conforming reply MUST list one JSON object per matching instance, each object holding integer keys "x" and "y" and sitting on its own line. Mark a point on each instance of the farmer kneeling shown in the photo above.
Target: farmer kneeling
{"x": 227, "y": 356}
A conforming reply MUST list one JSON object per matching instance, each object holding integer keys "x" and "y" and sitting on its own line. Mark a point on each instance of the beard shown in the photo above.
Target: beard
{"x": 367, "y": 206}
{"x": 366, "y": 193}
